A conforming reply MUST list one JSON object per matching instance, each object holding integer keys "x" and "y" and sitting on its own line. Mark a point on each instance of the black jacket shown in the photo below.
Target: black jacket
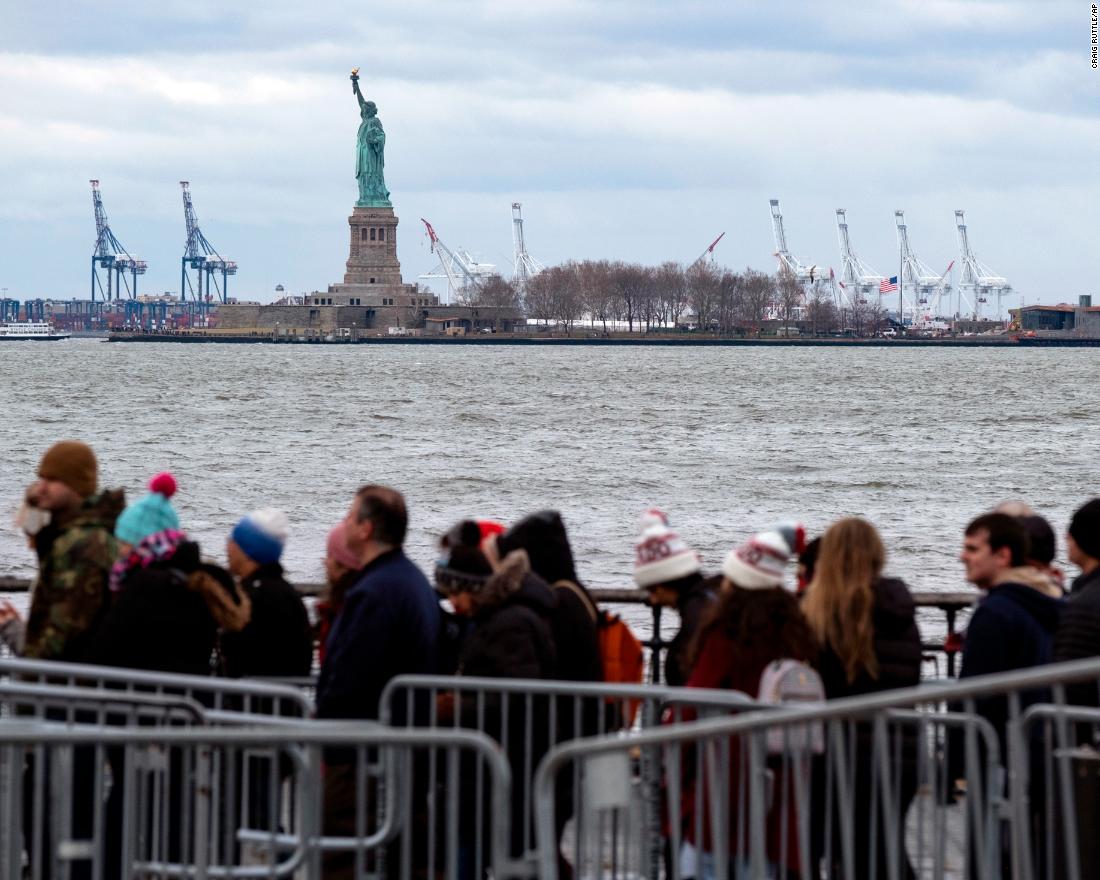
{"x": 277, "y": 642}
{"x": 157, "y": 622}
{"x": 511, "y": 637}
{"x": 1078, "y": 634}
{"x": 512, "y": 634}
{"x": 543, "y": 538}
{"x": 897, "y": 646}
{"x": 691, "y": 606}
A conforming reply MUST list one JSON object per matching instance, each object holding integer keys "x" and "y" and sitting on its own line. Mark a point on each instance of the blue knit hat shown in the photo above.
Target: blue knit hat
{"x": 151, "y": 513}
{"x": 261, "y": 535}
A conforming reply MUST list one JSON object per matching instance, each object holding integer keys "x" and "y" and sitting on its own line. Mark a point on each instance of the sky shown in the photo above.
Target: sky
{"x": 628, "y": 129}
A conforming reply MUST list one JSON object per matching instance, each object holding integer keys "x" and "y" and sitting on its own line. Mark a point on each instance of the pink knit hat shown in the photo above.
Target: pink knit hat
{"x": 338, "y": 550}
{"x": 760, "y": 562}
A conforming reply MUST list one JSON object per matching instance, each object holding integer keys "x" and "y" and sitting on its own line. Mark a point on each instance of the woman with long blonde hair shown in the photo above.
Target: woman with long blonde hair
{"x": 867, "y": 629}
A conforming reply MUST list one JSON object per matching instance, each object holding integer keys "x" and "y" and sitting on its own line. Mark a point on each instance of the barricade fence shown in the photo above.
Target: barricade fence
{"x": 221, "y": 698}
{"x": 107, "y": 802}
{"x": 528, "y": 718}
{"x": 605, "y": 779}
{"x": 898, "y": 784}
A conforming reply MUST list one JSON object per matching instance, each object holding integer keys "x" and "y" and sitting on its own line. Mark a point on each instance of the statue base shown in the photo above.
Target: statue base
{"x": 372, "y": 258}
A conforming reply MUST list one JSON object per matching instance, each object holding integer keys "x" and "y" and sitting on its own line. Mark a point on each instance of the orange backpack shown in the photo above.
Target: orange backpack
{"x": 620, "y": 650}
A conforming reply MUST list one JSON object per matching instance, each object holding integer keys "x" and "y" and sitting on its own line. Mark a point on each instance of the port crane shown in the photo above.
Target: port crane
{"x": 707, "y": 256}
{"x": 464, "y": 274}
{"x": 110, "y": 255}
{"x": 790, "y": 265}
{"x": 202, "y": 257}
{"x": 925, "y": 286}
{"x": 856, "y": 277}
{"x": 974, "y": 276}
{"x": 525, "y": 266}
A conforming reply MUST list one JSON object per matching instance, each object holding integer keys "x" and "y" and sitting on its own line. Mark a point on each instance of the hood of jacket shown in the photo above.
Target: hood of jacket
{"x": 514, "y": 581}
{"x": 97, "y": 512}
{"x": 1032, "y": 577}
{"x": 543, "y": 536}
{"x": 1044, "y": 609}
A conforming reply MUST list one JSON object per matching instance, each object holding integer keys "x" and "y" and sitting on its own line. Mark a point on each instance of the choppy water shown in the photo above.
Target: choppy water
{"x": 727, "y": 440}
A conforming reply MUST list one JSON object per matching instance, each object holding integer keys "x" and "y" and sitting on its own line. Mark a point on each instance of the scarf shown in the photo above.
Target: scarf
{"x": 157, "y": 547}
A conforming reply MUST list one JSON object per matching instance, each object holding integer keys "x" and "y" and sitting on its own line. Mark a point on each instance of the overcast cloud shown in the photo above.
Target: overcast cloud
{"x": 629, "y": 130}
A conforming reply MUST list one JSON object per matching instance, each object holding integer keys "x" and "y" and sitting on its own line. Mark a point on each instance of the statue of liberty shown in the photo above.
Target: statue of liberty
{"x": 370, "y": 153}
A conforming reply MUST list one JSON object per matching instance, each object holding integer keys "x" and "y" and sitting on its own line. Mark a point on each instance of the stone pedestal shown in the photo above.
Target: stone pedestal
{"x": 372, "y": 258}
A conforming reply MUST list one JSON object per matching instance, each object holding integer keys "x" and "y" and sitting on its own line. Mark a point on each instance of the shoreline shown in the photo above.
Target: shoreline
{"x": 666, "y": 341}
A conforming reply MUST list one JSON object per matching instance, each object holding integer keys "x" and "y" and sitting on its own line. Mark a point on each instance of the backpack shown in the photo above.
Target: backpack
{"x": 792, "y": 682}
{"x": 620, "y": 649}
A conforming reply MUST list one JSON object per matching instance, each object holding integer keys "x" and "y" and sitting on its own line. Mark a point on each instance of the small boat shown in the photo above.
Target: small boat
{"x": 31, "y": 331}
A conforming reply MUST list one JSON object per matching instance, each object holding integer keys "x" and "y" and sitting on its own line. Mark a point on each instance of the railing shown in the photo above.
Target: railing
{"x": 950, "y": 605}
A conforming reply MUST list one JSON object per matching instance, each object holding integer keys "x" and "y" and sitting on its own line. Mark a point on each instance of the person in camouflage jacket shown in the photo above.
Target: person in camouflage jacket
{"x": 70, "y": 594}
{"x": 75, "y": 553}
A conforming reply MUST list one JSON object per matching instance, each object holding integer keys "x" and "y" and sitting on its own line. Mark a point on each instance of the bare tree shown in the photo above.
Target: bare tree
{"x": 568, "y": 297}
{"x": 539, "y": 300}
{"x": 790, "y": 298}
{"x": 822, "y": 313}
{"x": 671, "y": 287}
{"x": 635, "y": 286}
{"x": 496, "y": 293}
{"x": 701, "y": 284}
{"x": 599, "y": 290}
{"x": 757, "y": 298}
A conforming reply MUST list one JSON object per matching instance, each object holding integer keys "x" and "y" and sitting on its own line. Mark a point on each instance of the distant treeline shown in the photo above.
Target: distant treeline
{"x": 704, "y": 296}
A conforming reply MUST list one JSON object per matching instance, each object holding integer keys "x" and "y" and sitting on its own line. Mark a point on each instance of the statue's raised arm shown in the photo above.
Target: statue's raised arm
{"x": 355, "y": 87}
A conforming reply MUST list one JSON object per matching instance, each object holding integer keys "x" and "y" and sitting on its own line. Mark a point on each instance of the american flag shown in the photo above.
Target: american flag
{"x": 888, "y": 285}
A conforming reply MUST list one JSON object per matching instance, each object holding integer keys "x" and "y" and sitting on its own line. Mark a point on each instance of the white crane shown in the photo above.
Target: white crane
{"x": 526, "y": 266}
{"x": 859, "y": 280}
{"x": 787, "y": 262}
{"x": 464, "y": 274}
{"x": 975, "y": 277}
{"x": 807, "y": 276}
{"x": 924, "y": 286}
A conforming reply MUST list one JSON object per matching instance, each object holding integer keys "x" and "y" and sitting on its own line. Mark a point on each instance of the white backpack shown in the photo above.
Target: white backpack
{"x": 792, "y": 682}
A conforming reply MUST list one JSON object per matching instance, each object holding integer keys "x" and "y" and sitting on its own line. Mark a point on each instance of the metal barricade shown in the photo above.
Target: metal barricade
{"x": 858, "y": 787}
{"x": 528, "y": 718}
{"x": 80, "y": 705}
{"x": 773, "y": 794}
{"x": 159, "y": 803}
{"x": 221, "y": 697}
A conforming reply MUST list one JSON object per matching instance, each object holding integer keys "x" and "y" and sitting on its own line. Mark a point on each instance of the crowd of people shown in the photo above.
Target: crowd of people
{"x": 124, "y": 585}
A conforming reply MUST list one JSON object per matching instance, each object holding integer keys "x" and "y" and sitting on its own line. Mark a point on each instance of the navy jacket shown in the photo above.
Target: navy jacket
{"x": 389, "y": 626}
{"x": 1012, "y": 628}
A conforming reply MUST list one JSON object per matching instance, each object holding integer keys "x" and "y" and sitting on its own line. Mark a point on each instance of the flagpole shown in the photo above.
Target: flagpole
{"x": 901, "y": 289}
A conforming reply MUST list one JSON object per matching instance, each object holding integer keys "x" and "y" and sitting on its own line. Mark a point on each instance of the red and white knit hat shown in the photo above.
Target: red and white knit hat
{"x": 661, "y": 555}
{"x": 760, "y": 562}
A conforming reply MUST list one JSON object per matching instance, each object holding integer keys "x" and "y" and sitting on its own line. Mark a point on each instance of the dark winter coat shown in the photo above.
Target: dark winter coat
{"x": 1078, "y": 634}
{"x": 389, "y": 626}
{"x": 896, "y": 641}
{"x": 542, "y": 537}
{"x": 1012, "y": 628}
{"x": 157, "y": 622}
{"x": 898, "y": 652}
{"x": 691, "y": 605}
{"x": 70, "y": 597}
{"x": 277, "y": 642}
{"x": 511, "y": 637}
